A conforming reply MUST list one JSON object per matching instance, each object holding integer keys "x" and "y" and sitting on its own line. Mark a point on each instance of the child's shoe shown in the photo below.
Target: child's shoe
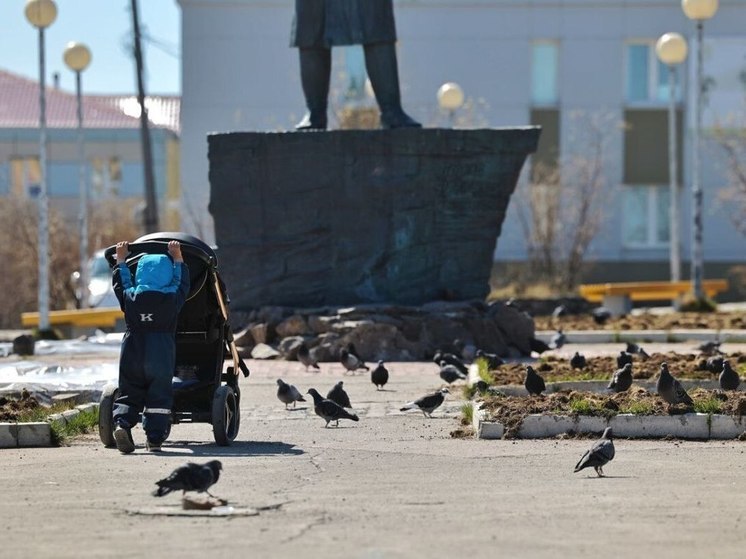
{"x": 152, "y": 446}
{"x": 123, "y": 440}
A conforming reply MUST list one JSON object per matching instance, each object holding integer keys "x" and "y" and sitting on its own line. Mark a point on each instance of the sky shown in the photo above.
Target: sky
{"x": 105, "y": 26}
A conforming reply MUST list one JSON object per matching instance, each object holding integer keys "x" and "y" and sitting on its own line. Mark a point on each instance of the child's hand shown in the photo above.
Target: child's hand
{"x": 123, "y": 249}
{"x": 174, "y": 249}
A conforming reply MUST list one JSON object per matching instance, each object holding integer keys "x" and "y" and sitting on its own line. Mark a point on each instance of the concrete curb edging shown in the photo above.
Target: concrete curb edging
{"x": 651, "y": 336}
{"x": 696, "y": 426}
{"x": 38, "y": 434}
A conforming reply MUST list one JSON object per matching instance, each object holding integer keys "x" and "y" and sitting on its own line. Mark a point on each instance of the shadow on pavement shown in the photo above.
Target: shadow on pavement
{"x": 240, "y": 448}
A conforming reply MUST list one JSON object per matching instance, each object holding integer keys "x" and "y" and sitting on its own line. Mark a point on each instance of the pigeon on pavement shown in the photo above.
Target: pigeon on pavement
{"x": 729, "y": 379}
{"x": 558, "y": 340}
{"x": 351, "y": 362}
{"x": 379, "y": 376}
{"x": 190, "y": 477}
{"x": 714, "y": 364}
{"x": 427, "y": 404}
{"x": 328, "y": 410}
{"x": 600, "y": 454}
{"x": 450, "y": 359}
{"x": 634, "y": 348}
{"x": 449, "y": 373}
{"x": 534, "y": 382}
{"x": 287, "y": 393}
{"x": 601, "y": 315}
{"x": 670, "y": 389}
{"x": 623, "y": 358}
{"x": 305, "y": 357}
{"x": 338, "y": 395}
{"x": 622, "y": 379}
{"x": 493, "y": 360}
{"x": 709, "y": 348}
{"x": 578, "y": 361}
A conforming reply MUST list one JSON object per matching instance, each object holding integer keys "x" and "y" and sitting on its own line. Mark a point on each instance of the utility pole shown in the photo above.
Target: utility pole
{"x": 150, "y": 215}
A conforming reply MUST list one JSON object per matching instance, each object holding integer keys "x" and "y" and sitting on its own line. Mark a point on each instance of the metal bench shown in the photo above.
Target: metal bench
{"x": 76, "y": 322}
{"x": 618, "y": 297}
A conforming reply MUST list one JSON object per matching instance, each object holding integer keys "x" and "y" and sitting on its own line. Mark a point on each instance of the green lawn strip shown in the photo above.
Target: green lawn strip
{"x": 62, "y": 431}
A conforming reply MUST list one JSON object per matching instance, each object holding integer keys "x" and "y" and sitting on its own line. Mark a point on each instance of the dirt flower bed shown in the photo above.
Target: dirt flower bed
{"x": 511, "y": 410}
{"x": 646, "y": 321}
{"x": 556, "y": 369}
{"x": 13, "y": 409}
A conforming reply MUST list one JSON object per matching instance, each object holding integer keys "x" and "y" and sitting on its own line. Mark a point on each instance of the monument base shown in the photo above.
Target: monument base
{"x": 408, "y": 216}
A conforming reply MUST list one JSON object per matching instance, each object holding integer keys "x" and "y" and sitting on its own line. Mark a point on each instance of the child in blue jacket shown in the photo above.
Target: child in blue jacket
{"x": 151, "y": 305}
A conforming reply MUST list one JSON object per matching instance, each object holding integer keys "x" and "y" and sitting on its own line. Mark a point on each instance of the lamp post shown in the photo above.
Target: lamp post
{"x": 41, "y": 14}
{"x": 77, "y": 57}
{"x": 671, "y": 49}
{"x": 450, "y": 98}
{"x": 699, "y": 11}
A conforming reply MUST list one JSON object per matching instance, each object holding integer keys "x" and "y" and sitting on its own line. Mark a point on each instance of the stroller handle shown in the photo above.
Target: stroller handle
{"x": 157, "y": 247}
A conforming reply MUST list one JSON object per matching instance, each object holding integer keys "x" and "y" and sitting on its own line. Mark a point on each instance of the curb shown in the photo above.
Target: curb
{"x": 696, "y": 426}
{"x": 650, "y": 336}
{"x": 38, "y": 434}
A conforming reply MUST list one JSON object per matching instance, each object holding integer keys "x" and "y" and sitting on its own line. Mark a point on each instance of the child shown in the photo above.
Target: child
{"x": 151, "y": 305}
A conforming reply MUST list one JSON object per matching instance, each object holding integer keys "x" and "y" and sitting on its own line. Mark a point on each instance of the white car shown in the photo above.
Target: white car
{"x": 100, "y": 290}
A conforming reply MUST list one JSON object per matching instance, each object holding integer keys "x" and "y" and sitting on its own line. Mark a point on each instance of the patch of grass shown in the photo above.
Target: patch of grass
{"x": 638, "y": 408}
{"x": 583, "y": 406}
{"x": 708, "y": 405}
{"x": 84, "y": 422}
{"x": 484, "y": 370}
{"x": 704, "y": 305}
{"x": 41, "y": 413}
{"x": 467, "y": 413}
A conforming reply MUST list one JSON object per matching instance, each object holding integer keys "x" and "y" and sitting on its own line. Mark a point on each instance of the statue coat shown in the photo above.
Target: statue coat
{"x": 328, "y": 23}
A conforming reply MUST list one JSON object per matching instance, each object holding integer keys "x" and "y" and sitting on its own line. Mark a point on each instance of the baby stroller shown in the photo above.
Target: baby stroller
{"x": 203, "y": 393}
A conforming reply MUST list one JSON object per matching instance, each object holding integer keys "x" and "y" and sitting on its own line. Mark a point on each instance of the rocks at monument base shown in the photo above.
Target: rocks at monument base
{"x": 387, "y": 332}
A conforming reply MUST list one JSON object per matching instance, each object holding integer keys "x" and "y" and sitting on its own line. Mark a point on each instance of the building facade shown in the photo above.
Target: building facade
{"x": 586, "y": 71}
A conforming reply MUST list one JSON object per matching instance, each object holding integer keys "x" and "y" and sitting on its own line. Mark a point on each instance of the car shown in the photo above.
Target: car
{"x": 100, "y": 291}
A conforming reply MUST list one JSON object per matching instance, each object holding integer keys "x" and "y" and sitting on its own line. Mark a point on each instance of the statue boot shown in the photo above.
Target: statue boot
{"x": 380, "y": 62}
{"x": 315, "y": 72}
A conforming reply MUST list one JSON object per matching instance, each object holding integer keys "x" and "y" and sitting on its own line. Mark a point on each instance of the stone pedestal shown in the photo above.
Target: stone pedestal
{"x": 347, "y": 217}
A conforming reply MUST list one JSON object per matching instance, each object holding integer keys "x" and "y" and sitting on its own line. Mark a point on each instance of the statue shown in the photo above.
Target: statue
{"x": 318, "y": 25}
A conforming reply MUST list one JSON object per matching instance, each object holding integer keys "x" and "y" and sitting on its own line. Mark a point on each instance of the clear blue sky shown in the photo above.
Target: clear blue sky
{"x": 106, "y": 27}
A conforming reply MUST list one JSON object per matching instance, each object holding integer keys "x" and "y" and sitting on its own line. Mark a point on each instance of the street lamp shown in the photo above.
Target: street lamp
{"x": 77, "y": 57}
{"x": 672, "y": 50}
{"x": 698, "y": 10}
{"x": 450, "y": 98}
{"x": 41, "y": 14}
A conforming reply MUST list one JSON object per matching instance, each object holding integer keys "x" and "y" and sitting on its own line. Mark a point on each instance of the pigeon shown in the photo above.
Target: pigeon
{"x": 329, "y": 410}
{"x": 729, "y": 379}
{"x": 538, "y": 345}
{"x": 493, "y": 360}
{"x": 623, "y": 358}
{"x": 670, "y": 389}
{"x": 352, "y": 350}
{"x": 450, "y": 373}
{"x": 714, "y": 364}
{"x": 379, "y": 376}
{"x": 534, "y": 382}
{"x": 578, "y": 361}
{"x": 558, "y": 340}
{"x": 338, "y": 395}
{"x": 351, "y": 362}
{"x": 427, "y": 404}
{"x": 601, "y": 315}
{"x": 559, "y": 311}
{"x": 450, "y": 359}
{"x": 622, "y": 379}
{"x": 190, "y": 477}
{"x": 709, "y": 348}
{"x": 305, "y": 357}
{"x": 600, "y": 454}
{"x": 634, "y": 348}
{"x": 287, "y": 393}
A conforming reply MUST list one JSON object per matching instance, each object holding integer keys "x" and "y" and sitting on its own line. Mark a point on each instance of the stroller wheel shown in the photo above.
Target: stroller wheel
{"x": 105, "y": 417}
{"x": 226, "y": 416}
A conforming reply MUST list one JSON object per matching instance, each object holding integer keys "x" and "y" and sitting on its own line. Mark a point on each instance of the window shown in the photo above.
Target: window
{"x": 544, "y": 68}
{"x": 646, "y": 216}
{"x": 106, "y": 176}
{"x": 25, "y": 176}
{"x": 647, "y": 77}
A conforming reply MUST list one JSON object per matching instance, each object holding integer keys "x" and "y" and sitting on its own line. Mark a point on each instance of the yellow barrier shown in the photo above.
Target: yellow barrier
{"x": 649, "y": 290}
{"x": 86, "y": 318}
